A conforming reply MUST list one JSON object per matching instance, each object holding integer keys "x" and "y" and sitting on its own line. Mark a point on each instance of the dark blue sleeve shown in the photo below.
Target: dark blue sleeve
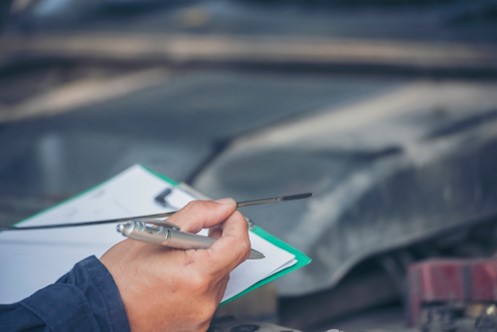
{"x": 85, "y": 299}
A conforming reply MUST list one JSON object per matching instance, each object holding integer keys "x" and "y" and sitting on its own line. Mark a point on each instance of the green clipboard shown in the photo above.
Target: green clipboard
{"x": 300, "y": 258}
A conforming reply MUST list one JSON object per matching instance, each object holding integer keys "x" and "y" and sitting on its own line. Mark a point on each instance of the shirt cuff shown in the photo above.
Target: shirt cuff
{"x": 86, "y": 298}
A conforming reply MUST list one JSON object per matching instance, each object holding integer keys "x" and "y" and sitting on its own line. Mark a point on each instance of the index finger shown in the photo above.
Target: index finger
{"x": 198, "y": 215}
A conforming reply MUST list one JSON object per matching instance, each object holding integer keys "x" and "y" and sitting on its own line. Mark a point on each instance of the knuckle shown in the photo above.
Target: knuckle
{"x": 195, "y": 205}
{"x": 203, "y": 320}
{"x": 202, "y": 311}
{"x": 208, "y": 310}
{"x": 245, "y": 248}
{"x": 199, "y": 283}
{"x": 205, "y": 308}
{"x": 239, "y": 216}
{"x": 242, "y": 243}
{"x": 241, "y": 248}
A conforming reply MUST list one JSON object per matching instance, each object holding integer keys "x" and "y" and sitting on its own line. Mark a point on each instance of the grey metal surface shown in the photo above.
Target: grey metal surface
{"x": 405, "y": 20}
{"x": 173, "y": 126}
{"x": 386, "y": 172}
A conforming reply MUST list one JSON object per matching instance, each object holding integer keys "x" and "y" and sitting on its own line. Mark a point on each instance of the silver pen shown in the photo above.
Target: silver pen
{"x": 169, "y": 235}
{"x": 156, "y": 229}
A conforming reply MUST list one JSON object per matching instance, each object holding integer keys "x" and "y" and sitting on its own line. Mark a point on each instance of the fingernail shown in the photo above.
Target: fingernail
{"x": 225, "y": 201}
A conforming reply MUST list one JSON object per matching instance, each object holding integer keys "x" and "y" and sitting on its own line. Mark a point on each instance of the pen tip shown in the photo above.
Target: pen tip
{"x": 255, "y": 254}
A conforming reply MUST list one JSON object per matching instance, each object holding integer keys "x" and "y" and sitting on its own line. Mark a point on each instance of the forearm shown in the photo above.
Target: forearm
{"x": 85, "y": 299}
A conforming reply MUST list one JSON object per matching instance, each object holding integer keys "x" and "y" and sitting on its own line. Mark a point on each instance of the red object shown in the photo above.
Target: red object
{"x": 449, "y": 281}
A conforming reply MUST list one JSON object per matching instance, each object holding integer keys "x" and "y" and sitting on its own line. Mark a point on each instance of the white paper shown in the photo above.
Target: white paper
{"x": 31, "y": 260}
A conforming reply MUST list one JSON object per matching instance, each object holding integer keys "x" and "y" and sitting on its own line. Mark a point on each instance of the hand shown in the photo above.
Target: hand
{"x": 166, "y": 289}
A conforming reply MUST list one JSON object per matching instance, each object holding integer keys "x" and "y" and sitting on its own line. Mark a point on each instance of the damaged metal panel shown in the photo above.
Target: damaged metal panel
{"x": 386, "y": 172}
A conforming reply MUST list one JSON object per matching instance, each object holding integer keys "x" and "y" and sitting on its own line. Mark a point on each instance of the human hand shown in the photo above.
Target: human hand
{"x": 165, "y": 289}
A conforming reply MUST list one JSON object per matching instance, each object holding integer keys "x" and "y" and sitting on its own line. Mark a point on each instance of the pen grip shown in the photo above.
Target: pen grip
{"x": 182, "y": 240}
{"x": 170, "y": 237}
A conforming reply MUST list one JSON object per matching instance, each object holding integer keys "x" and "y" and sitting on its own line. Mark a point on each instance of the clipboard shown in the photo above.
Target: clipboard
{"x": 33, "y": 259}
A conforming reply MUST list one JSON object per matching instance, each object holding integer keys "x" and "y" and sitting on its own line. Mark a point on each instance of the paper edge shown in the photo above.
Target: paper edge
{"x": 301, "y": 261}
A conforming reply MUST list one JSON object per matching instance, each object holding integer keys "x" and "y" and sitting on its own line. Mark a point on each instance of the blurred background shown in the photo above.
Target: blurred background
{"x": 385, "y": 109}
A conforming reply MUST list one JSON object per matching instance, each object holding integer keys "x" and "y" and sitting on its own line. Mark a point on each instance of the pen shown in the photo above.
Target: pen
{"x": 169, "y": 235}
